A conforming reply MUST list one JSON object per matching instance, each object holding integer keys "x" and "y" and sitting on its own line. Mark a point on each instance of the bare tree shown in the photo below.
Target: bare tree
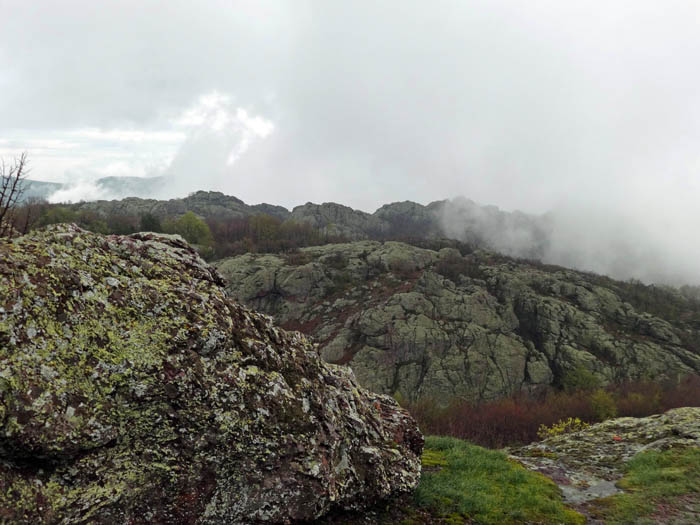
{"x": 11, "y": 189}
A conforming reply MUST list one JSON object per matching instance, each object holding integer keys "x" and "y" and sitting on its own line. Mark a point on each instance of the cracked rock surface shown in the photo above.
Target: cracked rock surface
{"x": 133, "y": 390}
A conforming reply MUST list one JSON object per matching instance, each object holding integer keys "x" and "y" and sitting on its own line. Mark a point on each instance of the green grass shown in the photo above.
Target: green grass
{"x": 463, "y": 481}
{"x": 652, "y": 478}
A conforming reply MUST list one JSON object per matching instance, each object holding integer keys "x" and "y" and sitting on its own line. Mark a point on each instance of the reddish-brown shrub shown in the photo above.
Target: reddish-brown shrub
{"x": 515, "y": 420}
{"x": 497, "y": 423}
{"x": 685, "y": 394}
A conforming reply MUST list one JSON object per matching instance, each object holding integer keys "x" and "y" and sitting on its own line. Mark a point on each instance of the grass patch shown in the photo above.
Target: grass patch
{"x": 484, "y": 486}
{"x": 651, "y": 479}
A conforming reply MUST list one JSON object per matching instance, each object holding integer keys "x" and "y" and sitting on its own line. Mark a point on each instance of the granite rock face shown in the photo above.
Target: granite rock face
{"x": 437, "y": 324}
{"x": 133, "y": 390}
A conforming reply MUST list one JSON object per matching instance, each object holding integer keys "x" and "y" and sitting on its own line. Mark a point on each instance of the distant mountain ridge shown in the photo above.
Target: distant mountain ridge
{"x": 463, "y": 219}
{"x": 39, "y": 190}
{"x": 589, "y": 241}
{"x": 396, "y": 219}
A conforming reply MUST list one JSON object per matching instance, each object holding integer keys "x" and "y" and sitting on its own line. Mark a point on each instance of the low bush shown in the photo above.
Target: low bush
{"x": 580, "y": 379}
{"x": 686, "y": 393}
{"x": 498, "y": 423}
{"x": 602, "y": 405}
{"x": 563, "y": 426}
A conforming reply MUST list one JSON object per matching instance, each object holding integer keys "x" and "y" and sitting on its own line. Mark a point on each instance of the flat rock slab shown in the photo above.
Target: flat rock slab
{"x": 586, "y": 464}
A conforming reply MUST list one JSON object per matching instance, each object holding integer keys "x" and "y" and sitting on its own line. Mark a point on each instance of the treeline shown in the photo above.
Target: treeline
{"x": 516, "y": 420}
{"x": 215, "y": 237}
{"x": 675, "y": 304}
{"x": 264, "y": 233}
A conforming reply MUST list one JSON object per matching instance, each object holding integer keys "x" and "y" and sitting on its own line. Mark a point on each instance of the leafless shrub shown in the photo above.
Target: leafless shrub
{"x": 11, "y": 189}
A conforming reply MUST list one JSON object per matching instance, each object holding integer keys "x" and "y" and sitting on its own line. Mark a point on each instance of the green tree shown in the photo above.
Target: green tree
{"x": 580, "y": 379}
{"x": 192, "y": 228}
{"x": 59, "y": 214}
{"x": 122, "y": 224}
{"x": 92, "y": 221}
{"x": 264, "y": 227}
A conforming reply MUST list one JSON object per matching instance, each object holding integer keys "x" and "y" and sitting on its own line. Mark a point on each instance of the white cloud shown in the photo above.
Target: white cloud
{"x": 127, "y": 135}
{"x": 219, "y": 133}
{"x": 213, "y": 133}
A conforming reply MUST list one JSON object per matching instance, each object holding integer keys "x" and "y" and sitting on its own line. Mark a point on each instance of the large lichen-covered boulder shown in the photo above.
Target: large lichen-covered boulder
{"x": 133, "y": 390}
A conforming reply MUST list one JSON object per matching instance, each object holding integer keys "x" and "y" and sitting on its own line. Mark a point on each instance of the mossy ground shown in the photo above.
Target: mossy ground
{"x": 485, "y": 487}
{"x": 658, "y": 486}
{"x": 464, "y": 483}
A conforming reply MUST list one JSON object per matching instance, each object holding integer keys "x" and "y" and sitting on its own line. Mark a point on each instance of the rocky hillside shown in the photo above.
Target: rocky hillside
{"x": 133, "y": 390}
{"x": 330, "y": 219}
{"x": 436, "y": 324}
{"x": 399, "y": 219}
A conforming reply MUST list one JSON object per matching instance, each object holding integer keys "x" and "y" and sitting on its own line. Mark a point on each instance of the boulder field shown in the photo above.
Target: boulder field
{"x": 134, "y": 390}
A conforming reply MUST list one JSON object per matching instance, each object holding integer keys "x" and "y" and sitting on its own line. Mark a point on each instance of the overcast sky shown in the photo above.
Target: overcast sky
{"x": 531, "y": 105}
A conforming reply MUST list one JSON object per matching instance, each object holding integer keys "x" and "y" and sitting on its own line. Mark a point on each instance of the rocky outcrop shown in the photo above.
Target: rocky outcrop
{"x": 586, "y": 464}
{"x": 133, "y": 390}
{"x": 399, "y": 219}
{"x": 338, "y": 220}
{"x": 410, "y": 219}
{"x": 437, "y": 324}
